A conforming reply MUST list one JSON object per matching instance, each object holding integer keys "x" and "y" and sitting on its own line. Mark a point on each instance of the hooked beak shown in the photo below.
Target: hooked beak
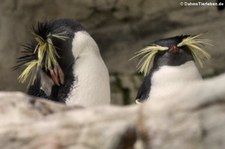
{"x": 174, "y": 49}
{"x": 57, "y": 75}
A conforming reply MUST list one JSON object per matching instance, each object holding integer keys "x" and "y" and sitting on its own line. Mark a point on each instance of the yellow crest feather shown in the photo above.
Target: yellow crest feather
{"x": 194, "y": 44}
{"x": 29, "y": 70}
{"x": 46, "y": 56}
{"x": 148, "y": 55}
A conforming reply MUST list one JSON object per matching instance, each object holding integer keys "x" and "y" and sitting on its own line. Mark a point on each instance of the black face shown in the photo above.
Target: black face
{"x": 175, "y": 56}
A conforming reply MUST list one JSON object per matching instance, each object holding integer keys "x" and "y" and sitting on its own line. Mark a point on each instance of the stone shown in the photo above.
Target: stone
{"x": 193, "y": 118}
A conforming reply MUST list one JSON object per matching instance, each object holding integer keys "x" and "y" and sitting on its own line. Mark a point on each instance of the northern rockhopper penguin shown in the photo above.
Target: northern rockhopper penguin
{"x": 169, "y": 65}
{"x": 63, "y": 63}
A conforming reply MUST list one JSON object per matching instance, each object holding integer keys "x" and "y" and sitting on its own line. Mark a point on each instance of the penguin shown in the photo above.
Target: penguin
{"x": 63, "y": 63}
{"x": 170, "y": 64}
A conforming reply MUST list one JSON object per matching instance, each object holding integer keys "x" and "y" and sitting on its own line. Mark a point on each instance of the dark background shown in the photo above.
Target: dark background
{"x": 120, "y": 27}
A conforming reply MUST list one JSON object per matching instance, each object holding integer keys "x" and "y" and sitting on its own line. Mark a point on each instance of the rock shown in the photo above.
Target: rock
{"x": 193, "y": 118}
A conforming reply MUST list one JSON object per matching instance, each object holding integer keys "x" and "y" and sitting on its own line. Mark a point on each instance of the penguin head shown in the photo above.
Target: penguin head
{"x": 175, "y": 55}
{"x": 47, "y": 59}
{"x": 172, "y": 51}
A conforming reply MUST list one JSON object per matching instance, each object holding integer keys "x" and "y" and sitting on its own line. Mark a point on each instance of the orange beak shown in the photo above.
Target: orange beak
{"x": 57, "y": 75}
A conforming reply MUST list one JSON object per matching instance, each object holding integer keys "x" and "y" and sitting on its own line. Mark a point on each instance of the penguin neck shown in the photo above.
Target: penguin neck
{"x": 91, "y": 86}
{"x": 175, "y": 74}
{"x": 166, "y": 79}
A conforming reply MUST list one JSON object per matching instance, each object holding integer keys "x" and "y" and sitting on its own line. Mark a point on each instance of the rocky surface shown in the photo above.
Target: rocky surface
{"x": 191, "y": 119}
{"x": 119, "y": 27}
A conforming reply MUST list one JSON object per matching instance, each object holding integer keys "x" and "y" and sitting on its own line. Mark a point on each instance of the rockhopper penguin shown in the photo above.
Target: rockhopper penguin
{"x": 169, "y": 64}
{"x": 64, "y": 64}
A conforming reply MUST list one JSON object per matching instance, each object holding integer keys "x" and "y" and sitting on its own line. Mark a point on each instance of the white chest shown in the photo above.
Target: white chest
{"x": 91, "y": 87}
{"x": 171, "y": 79}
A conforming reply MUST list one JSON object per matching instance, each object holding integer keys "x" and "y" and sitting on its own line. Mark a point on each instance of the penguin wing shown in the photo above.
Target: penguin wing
{"x": 35, "y": 89}
{"x": 144, "y": 90}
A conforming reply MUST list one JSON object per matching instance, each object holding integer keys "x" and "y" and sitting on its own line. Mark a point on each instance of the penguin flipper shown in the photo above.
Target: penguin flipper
{"x": 35, "y": 91}
{"x": 144, "y": 90}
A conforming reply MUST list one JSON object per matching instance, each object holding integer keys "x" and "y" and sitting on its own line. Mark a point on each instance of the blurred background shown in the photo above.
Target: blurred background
{"x": 120, "y": 27}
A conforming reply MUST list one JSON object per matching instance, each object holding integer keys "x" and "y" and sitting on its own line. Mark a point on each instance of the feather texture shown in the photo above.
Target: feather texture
{"x": 41, "y": 54}
{"x": 193, "y": 43}
{"x": 148, "y": 55}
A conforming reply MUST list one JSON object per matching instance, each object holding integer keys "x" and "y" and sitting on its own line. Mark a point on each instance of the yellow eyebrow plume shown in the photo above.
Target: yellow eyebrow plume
{"x": 29, "y": 70}
{"x": 46, "y": 56}
{"x": 194, "y": 43}
{"x": 147, "y": 57}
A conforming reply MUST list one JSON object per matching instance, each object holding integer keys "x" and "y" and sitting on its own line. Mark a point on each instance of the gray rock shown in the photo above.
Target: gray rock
{"x": 193, "y": 118}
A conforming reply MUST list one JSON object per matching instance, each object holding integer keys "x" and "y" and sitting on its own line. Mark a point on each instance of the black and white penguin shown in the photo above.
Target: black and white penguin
{"x": 170, "y": 64}
{"x": 64, "y": 64}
